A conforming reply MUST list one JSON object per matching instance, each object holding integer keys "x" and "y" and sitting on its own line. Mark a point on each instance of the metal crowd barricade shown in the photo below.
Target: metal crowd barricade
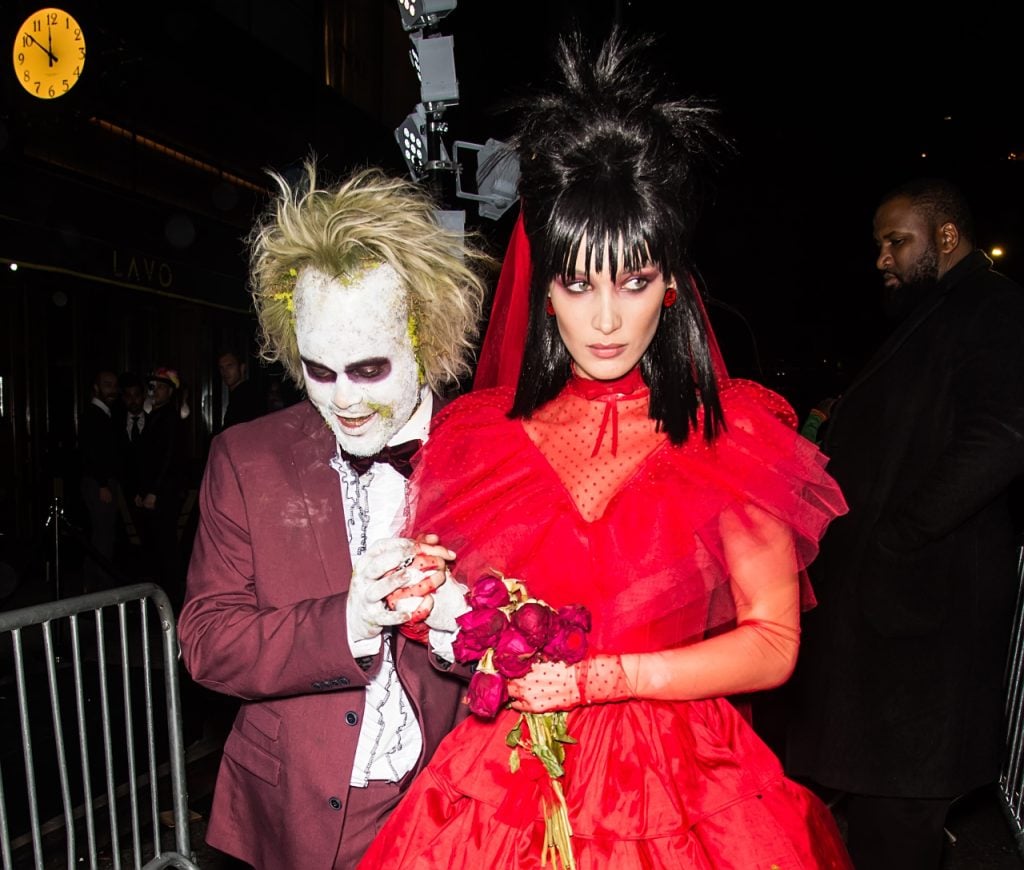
{"x": 1011, "y": 779}
{"x": 89, "y": 754}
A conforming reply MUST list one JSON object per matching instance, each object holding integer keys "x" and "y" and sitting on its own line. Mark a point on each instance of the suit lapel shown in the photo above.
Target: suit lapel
{"x": 895, "y": 341}
{"x": 976, "y": 261}
{"x": 322, "y": 491}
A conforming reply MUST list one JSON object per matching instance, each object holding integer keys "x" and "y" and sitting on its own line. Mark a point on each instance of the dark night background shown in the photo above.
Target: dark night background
{"x": 157, "y": 158}
{"x": 829, "y": 106}
{"x": 126, "y": 203}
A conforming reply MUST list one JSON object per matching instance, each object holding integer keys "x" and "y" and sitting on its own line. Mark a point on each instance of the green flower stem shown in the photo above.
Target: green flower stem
{"x": 547, "y": 735}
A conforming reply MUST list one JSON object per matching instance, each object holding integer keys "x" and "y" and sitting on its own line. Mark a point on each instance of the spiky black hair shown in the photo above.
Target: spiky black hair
{"x": 608, "y": 161}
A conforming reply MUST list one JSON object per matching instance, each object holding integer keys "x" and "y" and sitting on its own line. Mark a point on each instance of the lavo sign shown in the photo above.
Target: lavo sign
{"x": 143, "y": 270}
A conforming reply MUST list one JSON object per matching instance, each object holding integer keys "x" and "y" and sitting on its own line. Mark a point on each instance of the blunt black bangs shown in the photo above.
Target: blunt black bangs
{"x": 629, "y": 235}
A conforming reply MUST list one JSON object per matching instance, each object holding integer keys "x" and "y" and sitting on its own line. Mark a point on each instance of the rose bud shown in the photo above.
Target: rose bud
{"x": 487, "y": 694}
{"x": 576, "y": 614}
{"x": 536, "y": 622}
{"x": 513, "y": 654}
{"x": 568, "y": 645}
{"x": 488, "y": 591}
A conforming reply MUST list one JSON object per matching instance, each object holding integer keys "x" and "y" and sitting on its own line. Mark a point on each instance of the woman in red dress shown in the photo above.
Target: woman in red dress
{"x": 625, "y": 473}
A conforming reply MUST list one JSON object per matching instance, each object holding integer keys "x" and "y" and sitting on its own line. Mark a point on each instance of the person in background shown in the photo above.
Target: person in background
{"x": 898, "y": 695}
{"x": 100, "y": 469}
{"x": 372, "y": 308}
{"x": 132, "y": 424}
{"x": 158, "y": 494}
{"x": 245, "y": 402}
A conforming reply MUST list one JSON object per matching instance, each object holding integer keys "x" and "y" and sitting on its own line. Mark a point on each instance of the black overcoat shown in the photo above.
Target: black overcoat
{"x": 899, "y": 685}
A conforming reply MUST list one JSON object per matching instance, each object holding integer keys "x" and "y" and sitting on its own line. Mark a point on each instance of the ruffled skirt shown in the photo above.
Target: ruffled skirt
{"x": 648, "y": 785}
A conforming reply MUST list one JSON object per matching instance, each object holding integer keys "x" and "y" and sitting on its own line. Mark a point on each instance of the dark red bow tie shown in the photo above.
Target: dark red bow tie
{"x": 398, "y": 456}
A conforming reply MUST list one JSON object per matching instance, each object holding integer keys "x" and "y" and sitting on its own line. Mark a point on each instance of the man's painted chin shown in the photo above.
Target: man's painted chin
{"x": 364, "y": 439}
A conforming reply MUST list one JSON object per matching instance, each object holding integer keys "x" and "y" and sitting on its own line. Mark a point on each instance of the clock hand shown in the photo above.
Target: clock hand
{"x": 49, "y": 42}
{"x": 44, "y": 48}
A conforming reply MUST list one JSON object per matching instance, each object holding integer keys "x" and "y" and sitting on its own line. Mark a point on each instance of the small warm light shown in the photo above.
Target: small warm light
{"x": 1013, "y": 156}
{"x": 924, "y": 154}
{"x": 948, "y": 118}
{"x": 14, "y": 267}
{"x": 996, "y": 252}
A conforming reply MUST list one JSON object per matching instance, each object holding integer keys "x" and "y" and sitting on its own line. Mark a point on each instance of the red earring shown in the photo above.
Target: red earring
{"x": 670, "y": 297}
{"x": 549, "y": 308}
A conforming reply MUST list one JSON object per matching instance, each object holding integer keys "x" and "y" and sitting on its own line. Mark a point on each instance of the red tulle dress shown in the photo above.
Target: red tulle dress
{"x": 587, "y": 503}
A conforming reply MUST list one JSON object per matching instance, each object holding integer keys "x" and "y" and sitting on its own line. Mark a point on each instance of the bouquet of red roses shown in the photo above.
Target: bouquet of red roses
{"x": 506, "y": 632}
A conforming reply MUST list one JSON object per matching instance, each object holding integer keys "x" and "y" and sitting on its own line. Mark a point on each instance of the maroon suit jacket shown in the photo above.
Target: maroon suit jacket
{"x": 264, "y": 621}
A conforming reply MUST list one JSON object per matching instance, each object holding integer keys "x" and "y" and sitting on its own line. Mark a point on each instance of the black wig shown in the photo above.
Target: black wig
{"x": 607, "y": 158}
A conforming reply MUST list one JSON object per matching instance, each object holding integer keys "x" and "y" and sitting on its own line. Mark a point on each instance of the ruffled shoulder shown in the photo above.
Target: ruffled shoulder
{"x": 472, "y": 409}
{"x": 739, "y": 393}
{"x": 782, "y": 472}
{"x": 759, "y": 465}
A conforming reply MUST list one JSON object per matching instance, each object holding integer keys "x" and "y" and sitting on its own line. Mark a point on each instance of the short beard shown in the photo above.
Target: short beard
{"x": 901, "y": 300}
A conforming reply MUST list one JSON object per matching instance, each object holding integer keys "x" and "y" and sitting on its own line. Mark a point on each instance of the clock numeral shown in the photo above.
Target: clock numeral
{"x": 67, "y": 87}
{"x": 26, "y": 76}
{"x": 81, "y": 52}
{"x": 26, "y": 40}
{"x": 37, "y": 26}
{"x": 38, "y": 86}
{"x": 21, "y": 58}
{"x": 78, "y": 34}
{"x": 51, "y": 92}
{"x": 51, "y": 18}
{"x": 77, "y": 71}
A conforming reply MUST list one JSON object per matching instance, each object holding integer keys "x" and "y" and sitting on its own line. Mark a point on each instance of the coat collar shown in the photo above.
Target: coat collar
{"x": 976, "y": 261}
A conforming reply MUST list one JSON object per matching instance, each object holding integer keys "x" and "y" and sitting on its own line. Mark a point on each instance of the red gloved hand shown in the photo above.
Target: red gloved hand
{"x": 558, "y": 686}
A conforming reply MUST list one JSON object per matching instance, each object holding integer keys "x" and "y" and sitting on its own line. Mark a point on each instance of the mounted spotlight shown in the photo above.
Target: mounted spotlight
{"x": 411, "y": 137}
{"x": 497, "y": 177}
{"x": 414, "y": 140}
{"x": 417, "y": 14}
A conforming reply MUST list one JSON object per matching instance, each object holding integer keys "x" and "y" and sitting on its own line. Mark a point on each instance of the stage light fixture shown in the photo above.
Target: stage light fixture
{"x": 434, "y": 61}
{"x": 412, "y": 138}
{"x": 497, "y": 177}
{"x": 417, "y": 14}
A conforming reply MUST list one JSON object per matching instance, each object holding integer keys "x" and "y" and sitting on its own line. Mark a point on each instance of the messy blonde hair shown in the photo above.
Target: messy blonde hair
{"x": 340, "y": 230}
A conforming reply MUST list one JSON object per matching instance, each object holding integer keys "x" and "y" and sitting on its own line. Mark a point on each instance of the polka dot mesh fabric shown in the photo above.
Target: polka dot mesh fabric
{"x": 595, "y": 446}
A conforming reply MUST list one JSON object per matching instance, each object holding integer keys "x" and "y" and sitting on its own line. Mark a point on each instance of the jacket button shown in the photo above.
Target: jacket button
{"x": 342, "y": 681}
{"x": 335, "y": 803}
{"x": 351, "y": 718}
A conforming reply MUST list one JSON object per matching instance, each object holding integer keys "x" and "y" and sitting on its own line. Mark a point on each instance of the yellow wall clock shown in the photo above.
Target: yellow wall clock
{"x": 49, "y": 53}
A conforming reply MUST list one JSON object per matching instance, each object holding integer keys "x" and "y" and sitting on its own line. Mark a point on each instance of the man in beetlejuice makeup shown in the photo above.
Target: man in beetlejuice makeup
{"x": 372, "y": 308}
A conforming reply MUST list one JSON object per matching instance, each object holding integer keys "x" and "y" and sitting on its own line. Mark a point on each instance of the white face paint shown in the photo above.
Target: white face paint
{"x": 357, "y": 356}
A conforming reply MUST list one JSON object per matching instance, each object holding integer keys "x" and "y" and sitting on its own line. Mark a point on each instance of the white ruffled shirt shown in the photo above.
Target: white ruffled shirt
{"x": 390, "y": 741}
